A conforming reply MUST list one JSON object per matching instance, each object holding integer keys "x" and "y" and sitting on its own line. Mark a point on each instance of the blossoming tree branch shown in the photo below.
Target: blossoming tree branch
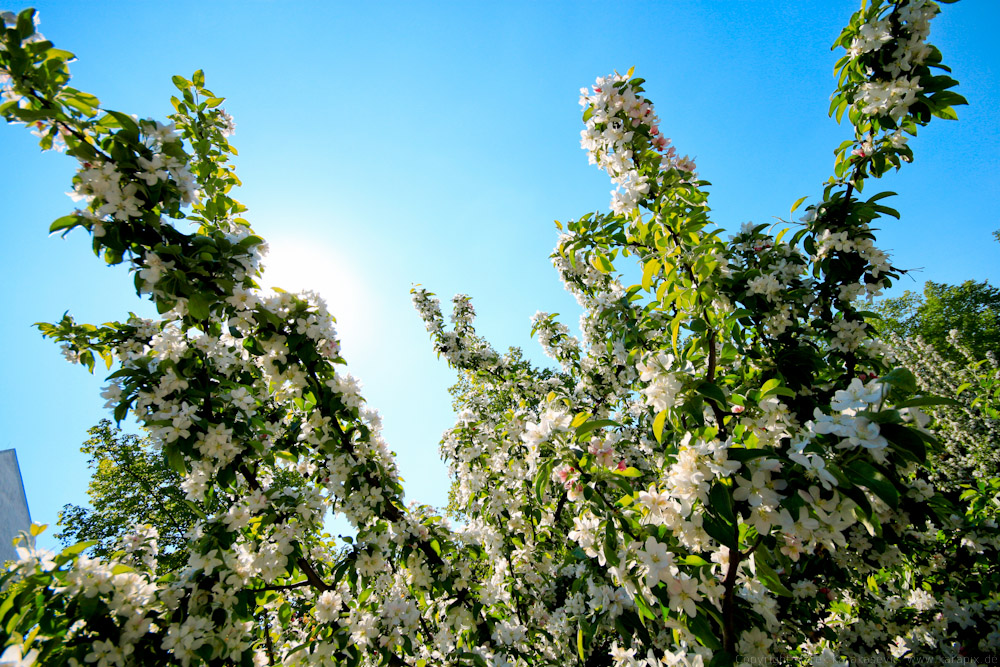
{"x": 726, "y": 464}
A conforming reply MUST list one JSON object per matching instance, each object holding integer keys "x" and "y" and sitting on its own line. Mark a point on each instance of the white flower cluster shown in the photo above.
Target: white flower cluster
{"x": 887, "y": 98}
{"x": 871, "y": 36}
{"x": 556, "y": 340}
{"x": 141, "y": 546}
{"x": 895, "y": 96}
{"x": 850, "y": 335}
{"x": 118, "y": 198}
{"x": 854, "y": 429}
{"x": 617, "y": 112}
{"x": 664, "y": 383}
{"x": 459, "y": 346}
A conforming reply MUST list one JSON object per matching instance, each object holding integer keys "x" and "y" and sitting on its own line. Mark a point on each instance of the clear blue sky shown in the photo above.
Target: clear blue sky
{"x": 386, "y": 144}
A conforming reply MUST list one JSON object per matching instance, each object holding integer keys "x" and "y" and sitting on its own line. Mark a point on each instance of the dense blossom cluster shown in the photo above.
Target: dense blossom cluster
{"x": 705, "y": 479}
{"x": 903, "y": 34}
{"x": 621, "y": 126}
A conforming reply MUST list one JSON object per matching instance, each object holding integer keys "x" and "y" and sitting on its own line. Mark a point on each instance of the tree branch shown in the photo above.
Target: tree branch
{"x": 729, "y": 603}
{"x": 279, "y": 587}
{"x": 720, "y": 416}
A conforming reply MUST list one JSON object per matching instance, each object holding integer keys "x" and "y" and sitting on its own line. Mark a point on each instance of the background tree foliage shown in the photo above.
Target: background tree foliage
{"x": 967, "y": 427}
{"x": 972, "y": 308}
{"x": 130, "y": 484}
{"x": 950, "y": 338}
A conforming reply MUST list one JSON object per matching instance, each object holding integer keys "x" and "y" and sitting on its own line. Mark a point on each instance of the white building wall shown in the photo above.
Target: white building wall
{"x": 14, "y": 515}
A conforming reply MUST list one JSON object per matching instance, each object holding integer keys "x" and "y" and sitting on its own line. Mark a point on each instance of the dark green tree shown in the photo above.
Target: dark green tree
{"x": 131, "y": 483}
{"x": 972, "y": 308}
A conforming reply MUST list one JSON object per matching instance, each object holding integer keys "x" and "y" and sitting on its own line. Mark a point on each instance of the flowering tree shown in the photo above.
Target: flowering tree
{"x": 972, "y": 308}
{"x": 969, "y": 427}
{"x": 723, "y": 467}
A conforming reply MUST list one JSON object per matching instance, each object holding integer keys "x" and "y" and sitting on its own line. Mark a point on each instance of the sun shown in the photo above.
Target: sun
{"x": 296, "y": 264}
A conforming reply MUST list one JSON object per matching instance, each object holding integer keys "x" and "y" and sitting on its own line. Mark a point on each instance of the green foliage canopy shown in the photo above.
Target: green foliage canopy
{"x": 130, "y": 484}
{"x": 972, "y": 308}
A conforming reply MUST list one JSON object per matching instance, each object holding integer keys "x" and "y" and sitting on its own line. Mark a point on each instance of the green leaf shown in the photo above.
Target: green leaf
{"x": 651, "y": 268}
{"x": 872, "y": 525}
{"x": 721, "y": 503}
{"x": 175, "y": 459}
{"x": 768, "y": 576}
{"x": 587, "y": 427}
{"x": 902, "y": 379}
{"x": 699, "y": 625}
{"x": 906, "y": 441}
{"x": 79, "y": 547}
{"x": 629, "y": 472}
{"x": 199, "y": 306}
{"x": 769, "y": 387}
{"x": 542, "y": 479}
{"x": 720, "y": 531}
{"x": 125, "y": 122}
{"x": 798, "y": 202}
{"x": 675, "y": 328}
{"x": 600, "y": 262}
{"x": 882, "y": 417}
{"x": 579, "y": 643}
{"x": 26, "y": 23}
{"x": 83, "y": 102}
{"x": 841, "y": 108}
{"x": 921, "y": 401}
{"x": 121, "y": 410}
{"x": 881, "y": 195}
{"x": 849, "y": 489}
{"x": 947, "y": 98}
{"x": 579, "y": 419}
{"x": 865, "y": 475}
{"x": 713, "y": 392}
{"x": 474, "y": 657}
{"x": 743, "y": 454}
{"x": 658, "y": 426}
{"x": 722, "y": 659}
{"x": 610, "y": 544}
{"x": 644, "y": 610}
{"x": 5, "y": 607}
{"x": 31, "y": 115}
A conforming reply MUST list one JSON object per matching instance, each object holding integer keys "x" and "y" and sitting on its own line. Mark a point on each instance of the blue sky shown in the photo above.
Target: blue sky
{"x": 387, "y": 144}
